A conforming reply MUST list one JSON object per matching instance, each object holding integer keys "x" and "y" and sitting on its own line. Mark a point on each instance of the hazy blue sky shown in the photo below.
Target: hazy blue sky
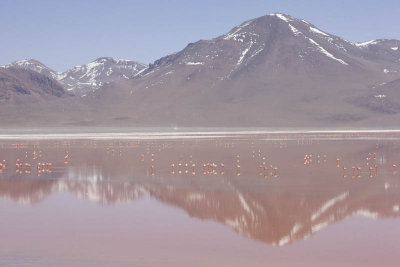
{"x": 62, "y": 34}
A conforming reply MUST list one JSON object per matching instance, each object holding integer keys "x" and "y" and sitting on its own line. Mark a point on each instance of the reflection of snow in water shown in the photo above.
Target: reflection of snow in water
{"x": 195, "y": 197}
{"x": 286, "y": 239}
{"x": 88, "y": 183}
{"x": 330, "y": 203}
{"x": 85, "y": 173}
{"x": 382, "y": 159}
{"x": 387, "y": 186}
{"x": 245, "y": 212}
{"x": 320, "y": 226}
{"x": 366, "y": 213}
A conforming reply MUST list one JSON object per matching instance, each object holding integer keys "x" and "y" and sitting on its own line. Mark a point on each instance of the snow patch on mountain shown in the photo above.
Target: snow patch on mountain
{"x": 281, "y": 16}
{"x": 194, "y": 63}
{"x": 244, "y": 54}
{"x": 294, "y": 30}
{"x": 235, "y": 33}
{"x": 318, "y": 31}
{"x": 366, "y": 44}
{"x": 322, "y": 50}
{"x": 306, "y": 22}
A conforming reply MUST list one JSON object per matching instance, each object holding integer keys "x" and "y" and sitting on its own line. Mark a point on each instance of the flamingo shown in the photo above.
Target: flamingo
{"x": 370, "y": 171}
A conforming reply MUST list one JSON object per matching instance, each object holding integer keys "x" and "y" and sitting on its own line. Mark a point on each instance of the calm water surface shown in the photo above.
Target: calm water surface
{"x": 251, "y": 201}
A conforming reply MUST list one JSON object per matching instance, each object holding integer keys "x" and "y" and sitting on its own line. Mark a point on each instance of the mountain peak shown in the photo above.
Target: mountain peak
{"x": 102, "y": 59}
{"x": 288, "y": 18}
{"x": 26, "y": 63}
{"x": 116, "y": 60}
{"x": 35, "y": 65}
{"x": 282, "y": 16}
{"x": 31, "y": 60}
{"x": 89, "y": 77}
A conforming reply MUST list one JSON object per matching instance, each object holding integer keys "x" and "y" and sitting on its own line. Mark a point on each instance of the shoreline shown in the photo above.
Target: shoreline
{"x": 240, "y": 134}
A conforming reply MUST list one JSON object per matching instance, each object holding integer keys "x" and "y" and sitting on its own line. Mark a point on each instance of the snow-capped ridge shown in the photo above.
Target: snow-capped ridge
{"x": 325, "y": 52}
{"x": 366, "y": 44}
{"x": 281, "y": 16}
{"x": 295, "y": 31}
{"x": 320, "y": 49}
{"x": 233, "y": 34}
{"x": 34, "y": 65}
{"x": 318, "y": 31}
{"x": 89, "y": 77}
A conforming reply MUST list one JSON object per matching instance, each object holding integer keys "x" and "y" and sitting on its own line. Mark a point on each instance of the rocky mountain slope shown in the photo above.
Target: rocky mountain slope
{"x": 21, "y": 86}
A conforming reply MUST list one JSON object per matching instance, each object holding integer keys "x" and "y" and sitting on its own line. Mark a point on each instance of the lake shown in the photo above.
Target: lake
{"x": 218, "y": 199}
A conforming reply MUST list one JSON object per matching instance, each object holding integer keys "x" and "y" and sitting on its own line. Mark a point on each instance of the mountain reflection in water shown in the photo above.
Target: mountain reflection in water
{"x": 274, "y": 191}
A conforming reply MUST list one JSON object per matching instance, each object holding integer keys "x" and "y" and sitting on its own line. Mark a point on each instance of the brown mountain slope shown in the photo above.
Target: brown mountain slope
{"x": 20, "y": 85}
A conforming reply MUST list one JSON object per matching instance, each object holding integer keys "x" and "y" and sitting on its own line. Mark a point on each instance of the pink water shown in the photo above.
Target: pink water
{"x": 116, "y": 204}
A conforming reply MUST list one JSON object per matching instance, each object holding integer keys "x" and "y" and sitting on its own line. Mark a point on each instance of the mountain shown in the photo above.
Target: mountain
{"x": 21, "y": 86}
{"x": 34, "y": 65}
{"x": 86, "y": 78}
{"x": 272, "y": 71}
{"x": 275, "y": 70}
{"x": 89, "y": 77}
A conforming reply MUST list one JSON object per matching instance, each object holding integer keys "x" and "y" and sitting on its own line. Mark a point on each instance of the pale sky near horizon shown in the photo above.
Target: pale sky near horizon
{"x": 62, "y": 34}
